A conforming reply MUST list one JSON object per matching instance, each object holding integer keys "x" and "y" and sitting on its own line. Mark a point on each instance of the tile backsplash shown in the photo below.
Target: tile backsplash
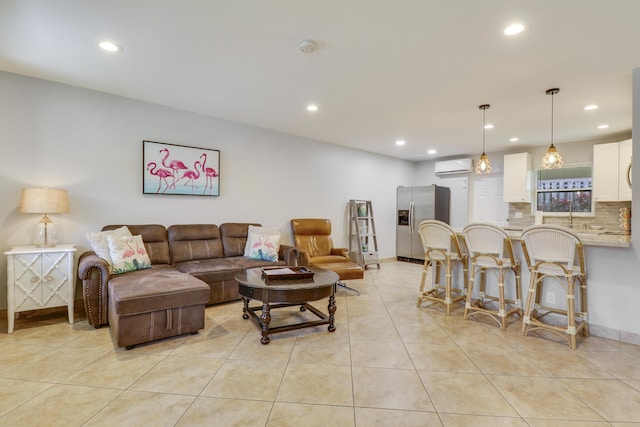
{"x": 607, "y": 214}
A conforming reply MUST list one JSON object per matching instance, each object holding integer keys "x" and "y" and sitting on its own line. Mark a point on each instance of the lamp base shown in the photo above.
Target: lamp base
{"x": 45, "y": 234}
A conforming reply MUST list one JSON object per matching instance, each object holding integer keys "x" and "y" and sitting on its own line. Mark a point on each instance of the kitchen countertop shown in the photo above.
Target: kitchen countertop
{"x": 588, "y": 237}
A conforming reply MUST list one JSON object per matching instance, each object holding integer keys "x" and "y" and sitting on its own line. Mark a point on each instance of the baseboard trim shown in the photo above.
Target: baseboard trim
{"x": 78, "y": 310}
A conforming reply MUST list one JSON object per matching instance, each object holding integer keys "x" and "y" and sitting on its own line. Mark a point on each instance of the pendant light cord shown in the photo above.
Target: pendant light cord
{"x": 484, "y": 124}
{"x": 483, "y": 167}
{"x": 552, "y": 95}
{"x": 484, "y": 108}
{"x": 552, "y": 92}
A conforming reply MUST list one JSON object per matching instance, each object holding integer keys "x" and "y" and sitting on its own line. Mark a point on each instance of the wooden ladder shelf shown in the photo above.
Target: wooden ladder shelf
{"x": 363, "y": 240}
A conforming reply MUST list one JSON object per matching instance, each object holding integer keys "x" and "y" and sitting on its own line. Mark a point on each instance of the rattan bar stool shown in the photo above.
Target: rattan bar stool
{"x": 490, "y": 249}
{"x": 442, "y": 250}
{"x": 554, "y": 252}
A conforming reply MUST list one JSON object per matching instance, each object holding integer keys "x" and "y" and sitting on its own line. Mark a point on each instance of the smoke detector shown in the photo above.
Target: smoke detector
{"x": 307, "y": 46}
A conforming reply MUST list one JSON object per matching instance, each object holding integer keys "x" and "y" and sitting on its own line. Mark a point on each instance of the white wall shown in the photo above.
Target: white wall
{"x": 91, "y": 144}
{"x": 459, "y": 186}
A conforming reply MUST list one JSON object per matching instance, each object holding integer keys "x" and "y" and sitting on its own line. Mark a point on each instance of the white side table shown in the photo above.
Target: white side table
{"x": 40, "y": 278}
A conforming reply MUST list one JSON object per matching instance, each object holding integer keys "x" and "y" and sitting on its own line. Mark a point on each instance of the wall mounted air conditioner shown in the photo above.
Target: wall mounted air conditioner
{"x": 455, "y": 166}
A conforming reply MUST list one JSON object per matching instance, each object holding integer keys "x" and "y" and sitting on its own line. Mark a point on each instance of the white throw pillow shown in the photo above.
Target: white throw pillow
{"x": 262, "y": 243}
{"x": 128, "y": 253}
{"x": 100, "y": 245}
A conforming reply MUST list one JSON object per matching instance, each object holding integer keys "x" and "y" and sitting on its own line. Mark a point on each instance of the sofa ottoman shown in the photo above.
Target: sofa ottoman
{"x": 151, "y": 304}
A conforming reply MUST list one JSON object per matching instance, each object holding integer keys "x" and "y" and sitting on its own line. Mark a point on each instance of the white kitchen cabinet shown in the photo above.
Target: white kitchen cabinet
{"x": 517, "y": 178}
{"x": 610, "y": 163}
{"x": 605, "y": 172}
{"x": 625, "y": 151}
{"x": 40, "y": 278}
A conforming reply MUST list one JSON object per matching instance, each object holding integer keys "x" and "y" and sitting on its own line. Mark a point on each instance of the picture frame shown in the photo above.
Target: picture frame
{"x": 180, "y": 169}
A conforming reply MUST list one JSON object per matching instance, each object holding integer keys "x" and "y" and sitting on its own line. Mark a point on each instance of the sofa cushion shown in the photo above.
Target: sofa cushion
{"x": 246, "y": 263}
{"x": 100, "y": 244}
{"x": 155, "y": 241}
{"x": 144, "y": 291}
{"x": 234, "y": 237}
{"x": 128, "y": 254}
{"x": 326, "y": 259}
{"x": 210, "y": 270}
{"x": 191, "y": 242}
{"x": 263, "y": 243}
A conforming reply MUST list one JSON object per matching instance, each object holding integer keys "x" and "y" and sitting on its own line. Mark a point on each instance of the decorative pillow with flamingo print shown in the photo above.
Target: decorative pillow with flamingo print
{"x": 262, "y": 243}
{"x": 128, "y": 253}
{"x": 100, "y": 244}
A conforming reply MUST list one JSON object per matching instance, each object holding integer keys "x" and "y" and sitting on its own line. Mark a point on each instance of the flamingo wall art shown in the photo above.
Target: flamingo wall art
{"x": 179, "y": 169}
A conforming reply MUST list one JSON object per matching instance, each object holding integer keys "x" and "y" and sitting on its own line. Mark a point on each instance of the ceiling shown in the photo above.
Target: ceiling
{"x": 410, "y": 69}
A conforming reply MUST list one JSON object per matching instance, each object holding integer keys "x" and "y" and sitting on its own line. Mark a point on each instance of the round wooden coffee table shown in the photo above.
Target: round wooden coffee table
{"x": 287, "y": 293}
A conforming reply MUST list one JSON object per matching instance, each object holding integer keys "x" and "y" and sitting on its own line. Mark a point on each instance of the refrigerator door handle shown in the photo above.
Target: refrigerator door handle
{"x": 411, "y": 216}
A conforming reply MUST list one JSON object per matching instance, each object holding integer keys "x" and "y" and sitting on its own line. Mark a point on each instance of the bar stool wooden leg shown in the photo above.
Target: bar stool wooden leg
{"x": 447, "y": 290}
{"x": 483, "y": 286}
{"x": 423, "y": 279}
{"x": 583, "y": 305}
{"x": 502, "y": 312}
{"x": 519, "y": 302}
{"x": 571, "y": 312}
{"x": 540, "y": 283}
{"x": 467, "y": 304}
{"x": 533, "y": 283}
{"x": 465, "y": 270}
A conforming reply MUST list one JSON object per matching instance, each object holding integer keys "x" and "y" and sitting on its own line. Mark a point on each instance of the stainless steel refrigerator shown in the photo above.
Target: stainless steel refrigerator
{"x": 414, "y": 205}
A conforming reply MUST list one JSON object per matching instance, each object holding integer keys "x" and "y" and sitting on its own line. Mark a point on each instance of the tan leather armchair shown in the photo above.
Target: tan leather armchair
{"x": 312, "y": 237}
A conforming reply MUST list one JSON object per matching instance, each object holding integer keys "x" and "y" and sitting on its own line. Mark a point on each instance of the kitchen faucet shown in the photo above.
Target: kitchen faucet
{"x": 571, "y": 215}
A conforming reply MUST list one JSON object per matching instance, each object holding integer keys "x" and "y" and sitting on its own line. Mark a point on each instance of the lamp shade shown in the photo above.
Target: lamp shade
{"x": 552, "y": 159}
{"x": 44, "y": 201}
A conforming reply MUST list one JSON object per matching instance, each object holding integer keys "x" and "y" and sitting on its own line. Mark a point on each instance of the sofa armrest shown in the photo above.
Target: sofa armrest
{"x": 303, "y": 258}
{"x": 94, "y": 273}
{"x": 340, "y": 251}
{"x": 288, "y": 254}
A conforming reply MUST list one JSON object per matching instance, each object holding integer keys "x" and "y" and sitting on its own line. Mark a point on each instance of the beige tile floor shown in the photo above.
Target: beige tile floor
{"x": 388, "y": 363}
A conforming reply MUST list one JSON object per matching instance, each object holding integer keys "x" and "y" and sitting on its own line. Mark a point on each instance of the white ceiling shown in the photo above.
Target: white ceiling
{"x": 411, "y": 69}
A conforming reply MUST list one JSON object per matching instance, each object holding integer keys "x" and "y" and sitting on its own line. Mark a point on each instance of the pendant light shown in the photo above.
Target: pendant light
{"x": 552, "y": 159}
{"x": 483, "y": 167}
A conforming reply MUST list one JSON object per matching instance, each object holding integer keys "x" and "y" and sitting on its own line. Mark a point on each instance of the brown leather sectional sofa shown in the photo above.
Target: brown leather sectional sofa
{"x": 179, "y": 253}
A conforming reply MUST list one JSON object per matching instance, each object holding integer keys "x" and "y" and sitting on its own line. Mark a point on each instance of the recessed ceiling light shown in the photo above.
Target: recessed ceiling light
{"x": 591, "y": 107}
{"x": 488, "y": 126}
{"x": 514, "y": 139}
{"x": 431, "y": 152}
{"x": 514, "y": 29}
{"x": 312, "y": 107}
{"x": 110, "y": 46}
{"x": 400, "y": 142}
{"x": 603, "y": 126}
